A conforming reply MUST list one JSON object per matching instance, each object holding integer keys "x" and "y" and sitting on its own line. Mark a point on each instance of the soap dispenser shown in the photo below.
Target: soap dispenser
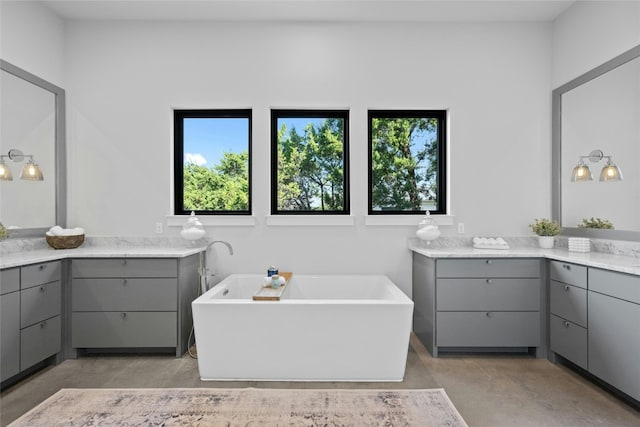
{"x": 427, "y": 229}
{"x": 193, "y": 228}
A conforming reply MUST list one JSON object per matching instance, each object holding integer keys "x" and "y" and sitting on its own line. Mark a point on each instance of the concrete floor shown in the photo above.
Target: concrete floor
{"x": 488, "y": 390}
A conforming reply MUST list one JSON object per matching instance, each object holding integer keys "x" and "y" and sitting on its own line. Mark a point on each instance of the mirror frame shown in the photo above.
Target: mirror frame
{"x": 556, "y": 151}
{"x": 60, "y": 150}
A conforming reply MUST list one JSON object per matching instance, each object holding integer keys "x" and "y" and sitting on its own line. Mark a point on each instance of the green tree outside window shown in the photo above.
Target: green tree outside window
{"x": 309, "y": 162}
{"x": 406, "y": 162}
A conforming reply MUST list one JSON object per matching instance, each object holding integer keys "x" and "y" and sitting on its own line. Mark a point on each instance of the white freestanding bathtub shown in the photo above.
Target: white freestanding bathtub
{"x": 324, "y": 328}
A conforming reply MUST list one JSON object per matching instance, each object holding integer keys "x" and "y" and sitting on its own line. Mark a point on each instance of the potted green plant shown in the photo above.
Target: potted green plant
{"x": 596, "y": 223}
{"x": 546, "y": 231}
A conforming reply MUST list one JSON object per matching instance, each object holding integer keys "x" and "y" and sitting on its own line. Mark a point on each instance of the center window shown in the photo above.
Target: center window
{"x": 309, "y": 162}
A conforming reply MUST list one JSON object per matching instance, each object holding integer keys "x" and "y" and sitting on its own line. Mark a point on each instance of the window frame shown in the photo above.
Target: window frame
{"x": 441, "y": 116}
{"x": 309, "y": 113}
{"x": 178, "y": 153}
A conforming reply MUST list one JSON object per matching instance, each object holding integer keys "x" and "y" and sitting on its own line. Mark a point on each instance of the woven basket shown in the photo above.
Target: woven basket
{"x": 65, "y": 242}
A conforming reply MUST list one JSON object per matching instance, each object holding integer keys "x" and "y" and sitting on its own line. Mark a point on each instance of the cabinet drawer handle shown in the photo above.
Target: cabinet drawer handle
{"x": 566, "y": 288}
{"x": 43, "y": 324}
{"x": 41, "y": 288}
{"x": 124, "y": 262}
{"x": 489, "y": 314}
{"x": 42, "y": 266}
{"x": 566, "y": 266}
{"x": 489, "y": 261}
{"x": 123, "y": 315}
{"x": 124, "y": 282}
{"x": 566, "y": 324}
{"x": 489, "y": 281}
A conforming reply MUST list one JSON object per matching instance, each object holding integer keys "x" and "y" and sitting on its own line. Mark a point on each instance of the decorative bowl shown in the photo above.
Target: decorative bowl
{"x": 65, "y": 242}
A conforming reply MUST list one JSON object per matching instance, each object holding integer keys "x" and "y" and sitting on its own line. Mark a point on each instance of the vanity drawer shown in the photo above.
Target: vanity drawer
{"x": 124, "y": 329}
{"x": 488, "y": 294}
{"x": 569, "y": 340}
{"x": 9, "y": 280}
{"x": 40, "y": 341}
{"x": 488, "y": 267}
{"x": 568, "y": 302}
{"x": 38, "y": 274}
{"x": 617, "y": 285}
{"x": 40, "y": 302}
{"x": 568, "y": 273}
{"x": 124, "y": 294}
{"x": 121, "y": 267}
{"x": 488, "y": 329}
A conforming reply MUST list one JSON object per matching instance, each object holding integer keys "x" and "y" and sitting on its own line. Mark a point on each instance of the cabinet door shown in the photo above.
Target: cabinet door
{"x": 124, "y": 329}
{"x": 488, "y": 294}
{"x": 124, "y": 294}
{"x": 488, "y": 329}
{"x": 614, "y": 342}
{"x": 569, "y": 340}
{"x": 568, "y": 273}
{"x": 120, "y": 267}
{"x": 488, "y": 267}
{"x": 40, "y": 303}
{"x": 618, "y": 285}
{"x": 40, "y": 341}
{"x": 9, "y": 335}
{"x": 37, "y": 274}
{"x": 9, "y": 280}
{"x": 569, "y": 302}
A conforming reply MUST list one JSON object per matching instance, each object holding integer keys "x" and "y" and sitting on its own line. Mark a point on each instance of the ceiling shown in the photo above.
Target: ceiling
{"x": 313, "y": 10}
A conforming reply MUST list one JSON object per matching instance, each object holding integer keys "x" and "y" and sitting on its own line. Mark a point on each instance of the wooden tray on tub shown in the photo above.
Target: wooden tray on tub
{"x": 267, "y": 293}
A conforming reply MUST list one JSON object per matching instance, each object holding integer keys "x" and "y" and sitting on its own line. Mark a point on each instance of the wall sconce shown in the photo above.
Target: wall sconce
{"x": 30, "y": 172}
{"x": 610, "y": 172}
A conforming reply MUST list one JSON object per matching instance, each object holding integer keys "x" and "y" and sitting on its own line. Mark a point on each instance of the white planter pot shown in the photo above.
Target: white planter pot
{"x": 546, "y": 242}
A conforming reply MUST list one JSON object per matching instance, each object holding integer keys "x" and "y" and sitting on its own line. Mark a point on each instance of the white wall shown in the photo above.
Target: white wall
{"x": 32, "y": 38}
{"x": 590, "y": 33}
{"x": 124, "y": 78}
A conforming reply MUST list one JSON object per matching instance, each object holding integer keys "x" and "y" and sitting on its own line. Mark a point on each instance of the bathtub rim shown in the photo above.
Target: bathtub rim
{"x": 399, "y": 297}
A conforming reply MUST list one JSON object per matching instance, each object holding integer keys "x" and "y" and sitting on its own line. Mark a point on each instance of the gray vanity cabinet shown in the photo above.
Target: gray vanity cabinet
{"x": 614, "y": 329}
{"x": 9, "y": 323}
{"x": 132, "y": 303}
{"x": 568, "y": 308}
{"x": 40, "y": 312}
{"x": 31, "y": 316}
{"x": 477, "y": 303}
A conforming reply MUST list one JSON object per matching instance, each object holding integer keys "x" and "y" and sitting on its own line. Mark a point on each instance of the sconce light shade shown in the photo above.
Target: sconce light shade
{"x": 5, "y": 172}
{"x": 31, "y": 172}
{"x": 610, "y": 172}
{"x": 581, "y": 173}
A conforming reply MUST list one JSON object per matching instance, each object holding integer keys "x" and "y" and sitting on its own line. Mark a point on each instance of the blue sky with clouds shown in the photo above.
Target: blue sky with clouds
{"x": 206, "y": 139}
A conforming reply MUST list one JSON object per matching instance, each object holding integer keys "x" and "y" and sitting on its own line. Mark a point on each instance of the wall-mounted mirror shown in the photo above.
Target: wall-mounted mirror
{"x": 32, "y": 113}
{"x": 599, "y": 110}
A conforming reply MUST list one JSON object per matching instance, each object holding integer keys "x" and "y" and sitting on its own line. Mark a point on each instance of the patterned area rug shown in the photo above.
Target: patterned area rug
{"x": 243, "y": 407}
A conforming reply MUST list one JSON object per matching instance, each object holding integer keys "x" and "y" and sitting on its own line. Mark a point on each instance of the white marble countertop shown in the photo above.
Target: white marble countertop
{"x": 620, "y": 263}
{"x": 49, "y": 254}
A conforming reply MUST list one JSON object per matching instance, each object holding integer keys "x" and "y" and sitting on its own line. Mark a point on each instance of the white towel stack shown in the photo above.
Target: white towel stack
{"x": 59, "y": 231}
{"x": 579, "y": 244}
{"x": 490, "y": 243}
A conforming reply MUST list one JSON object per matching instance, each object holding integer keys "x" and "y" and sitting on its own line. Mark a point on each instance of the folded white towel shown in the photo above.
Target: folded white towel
{"x": 56, "y": 230}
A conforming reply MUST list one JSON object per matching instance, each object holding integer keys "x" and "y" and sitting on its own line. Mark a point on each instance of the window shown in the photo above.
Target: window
{"x": 212, "y": 152}
{"x": 407, "y": 163}
{"x": 309, "y": 162}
